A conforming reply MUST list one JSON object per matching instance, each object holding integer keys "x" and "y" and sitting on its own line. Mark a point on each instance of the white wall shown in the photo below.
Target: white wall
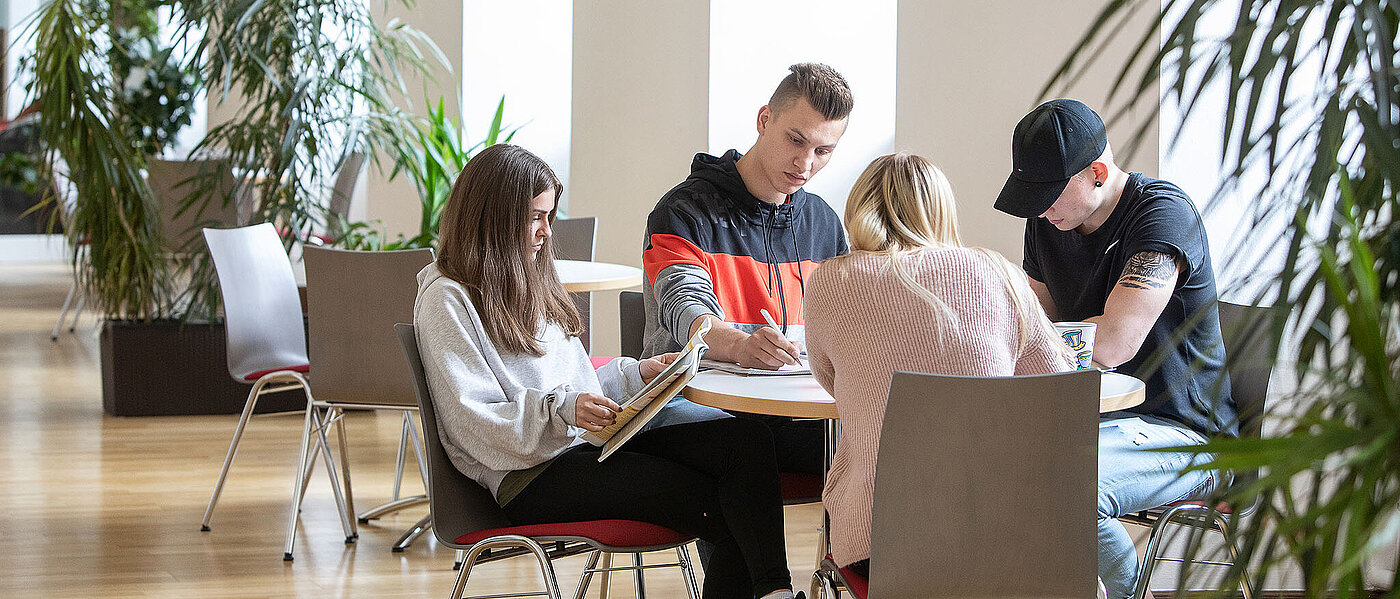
{"x": 749, "y": 56}
{"x": 968, "y": 71}
{"x": 640, "y": 113}
{"x": 395, "y": 203}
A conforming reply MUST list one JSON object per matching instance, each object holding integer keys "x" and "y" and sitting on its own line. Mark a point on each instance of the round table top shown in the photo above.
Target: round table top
{"x": 578, "y": 275}
{"x": 800, "y": 396}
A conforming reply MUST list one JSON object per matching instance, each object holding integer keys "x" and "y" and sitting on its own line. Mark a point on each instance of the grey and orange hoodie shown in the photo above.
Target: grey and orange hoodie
{"x": 711, "y": 247}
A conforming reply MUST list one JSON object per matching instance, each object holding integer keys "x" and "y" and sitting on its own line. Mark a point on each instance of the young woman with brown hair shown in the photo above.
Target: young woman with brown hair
{"x": 514, "y": 389}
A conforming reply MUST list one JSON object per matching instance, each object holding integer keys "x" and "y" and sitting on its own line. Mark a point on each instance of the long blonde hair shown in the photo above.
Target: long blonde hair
{"x": 902, "y": 204}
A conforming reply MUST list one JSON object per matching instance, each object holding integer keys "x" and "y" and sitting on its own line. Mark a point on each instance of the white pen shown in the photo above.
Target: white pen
{"x": 768, "y": 317}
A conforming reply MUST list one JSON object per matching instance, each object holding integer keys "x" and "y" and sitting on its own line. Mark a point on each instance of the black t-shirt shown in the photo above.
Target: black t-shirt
{"x": 1190, "y": 386}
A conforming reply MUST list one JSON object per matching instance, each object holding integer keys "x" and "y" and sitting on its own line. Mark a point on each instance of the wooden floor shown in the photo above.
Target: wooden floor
{"x": 93, "y": 505}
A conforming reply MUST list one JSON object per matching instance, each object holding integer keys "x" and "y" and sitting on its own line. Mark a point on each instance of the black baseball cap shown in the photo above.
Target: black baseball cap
{"x": 1051, "y": 144}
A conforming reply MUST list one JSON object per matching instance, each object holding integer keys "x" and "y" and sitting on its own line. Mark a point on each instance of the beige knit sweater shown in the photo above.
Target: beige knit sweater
{"x": 863, "y": 325}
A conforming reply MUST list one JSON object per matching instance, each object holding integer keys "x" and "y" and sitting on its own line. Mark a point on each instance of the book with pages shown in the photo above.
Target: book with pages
{"x": 800, "y": 367}
{"x": 639, "y": 409}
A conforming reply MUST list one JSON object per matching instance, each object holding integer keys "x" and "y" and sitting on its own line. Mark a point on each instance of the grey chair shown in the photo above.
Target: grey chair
{"x": 351, "y": 347}
{"x": 347, "y": 178}
{"x": 66, "y": 195}
{"x": 174, "y": 181}
{"x": 575, "y": 239}
{"x": 266, "y": 341}
{"x": 467, "y": 518}
{"x": 966, "y": 467}
{"x": 1251, "y": 348}
{"x": 633, "y": 318}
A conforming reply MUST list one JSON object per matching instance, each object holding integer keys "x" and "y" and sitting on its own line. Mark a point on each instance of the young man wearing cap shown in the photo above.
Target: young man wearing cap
{"x": 738, "y": 238}
{"x": 1128, "y": 253}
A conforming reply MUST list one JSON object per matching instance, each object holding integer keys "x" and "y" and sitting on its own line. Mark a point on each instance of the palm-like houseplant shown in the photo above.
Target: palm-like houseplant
{"x": 1312, "y": 129}
{"x": 314, "y": 80}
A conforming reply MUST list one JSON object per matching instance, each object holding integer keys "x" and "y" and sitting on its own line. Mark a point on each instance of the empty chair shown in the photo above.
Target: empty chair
{"x": 967, "y": 466}
{"x": 266, "y": 341}
{"x": 173, "y": 182}
{"x": 353, "y": 300}
{"x": 66, "y": 194}
{"x": 575, "y": 239}
{"x": 633, "y": 318}
{"x": 1250, "y": 352}
{"x": 338, "y": 206}
{"x": 466, "y": 516}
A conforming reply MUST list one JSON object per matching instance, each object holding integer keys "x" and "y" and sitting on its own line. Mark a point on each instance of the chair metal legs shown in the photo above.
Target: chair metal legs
{"x": 822, "y": 581}
{"x": 289, "y": 381}
{"x": 546, "y": 568}
{"x": 73, "y": 292}
{"x": 1188, "y": 515}
{"x": 589, "y": 569}
{"x": 408, "y": 434}
{"x": 314, "y": 421}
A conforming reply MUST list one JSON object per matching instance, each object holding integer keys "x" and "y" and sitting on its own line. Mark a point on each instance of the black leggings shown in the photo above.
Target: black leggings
{"x": 716, "y": 480}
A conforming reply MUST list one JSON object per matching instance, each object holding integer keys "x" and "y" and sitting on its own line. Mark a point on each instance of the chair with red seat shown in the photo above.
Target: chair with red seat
{"x": 466, "y": 517}
{"x": 1250, "y": 350}
{"x": 265, "y": 336}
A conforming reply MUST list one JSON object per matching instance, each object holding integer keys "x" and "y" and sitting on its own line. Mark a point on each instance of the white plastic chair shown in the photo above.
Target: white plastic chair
{"x": 266, "y": 343}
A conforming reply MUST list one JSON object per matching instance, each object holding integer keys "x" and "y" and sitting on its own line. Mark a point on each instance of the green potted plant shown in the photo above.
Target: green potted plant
{"x": 1312, "y": 98}
{"x": 306, "y": 98}
{"x": 430, "y": 156}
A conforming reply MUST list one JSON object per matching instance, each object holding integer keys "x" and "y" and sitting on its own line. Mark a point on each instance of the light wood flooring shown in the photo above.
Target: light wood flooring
{"x": 93, "y": 505}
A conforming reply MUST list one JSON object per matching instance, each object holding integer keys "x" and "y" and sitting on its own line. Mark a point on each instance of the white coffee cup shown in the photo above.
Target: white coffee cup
{"x": 1079, "y": 337}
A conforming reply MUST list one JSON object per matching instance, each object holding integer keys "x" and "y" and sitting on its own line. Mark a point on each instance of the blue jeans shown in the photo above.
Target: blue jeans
{"x": 1132, "y": 480}
{"x": 683, "y": 411}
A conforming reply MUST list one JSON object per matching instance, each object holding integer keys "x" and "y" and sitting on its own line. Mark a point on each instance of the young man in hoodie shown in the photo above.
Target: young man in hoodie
{"x": 739, "y": 237}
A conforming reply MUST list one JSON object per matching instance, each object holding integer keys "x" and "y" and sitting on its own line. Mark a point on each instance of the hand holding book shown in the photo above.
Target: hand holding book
{"x": 631, "y": 415}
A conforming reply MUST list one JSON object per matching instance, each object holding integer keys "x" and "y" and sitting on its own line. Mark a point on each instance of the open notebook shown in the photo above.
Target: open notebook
{"x": 800, "y": 368}
{"x": 642, "y": 407}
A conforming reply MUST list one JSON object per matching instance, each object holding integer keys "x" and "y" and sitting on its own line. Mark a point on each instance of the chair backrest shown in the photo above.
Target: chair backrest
{"x": 985, "y": 487}
{"x": 458, "y": 504}
{"x": 353, "y": 300}
{"x": 1250, "y": 353}
{"x": 632, "y": 315}
{"x": 174, "y": 181}
{"x": 574, "y": 238}
{"x": 262, "y": 310}
{"x": 347, "y": 175}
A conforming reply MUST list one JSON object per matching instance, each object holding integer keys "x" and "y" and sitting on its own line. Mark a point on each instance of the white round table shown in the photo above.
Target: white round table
{"x": 579, "y": 276}
{"x": 800, "y": 396}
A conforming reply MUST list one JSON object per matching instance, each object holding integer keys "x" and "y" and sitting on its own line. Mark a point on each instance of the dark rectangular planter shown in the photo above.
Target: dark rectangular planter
{"x": 165, "y": 368}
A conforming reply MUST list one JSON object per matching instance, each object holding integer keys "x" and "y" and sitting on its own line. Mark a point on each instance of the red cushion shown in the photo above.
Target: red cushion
{"x": 302, "y": 368}
{"x": 857, "y": 584}
{"x": 800, "y": 487}
{"x": 599, "y": 362}
{"x": 613, "y": 533}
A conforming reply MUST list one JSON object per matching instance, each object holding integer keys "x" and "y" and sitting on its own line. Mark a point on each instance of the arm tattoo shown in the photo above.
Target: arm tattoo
{"x": 1147, "y": 270}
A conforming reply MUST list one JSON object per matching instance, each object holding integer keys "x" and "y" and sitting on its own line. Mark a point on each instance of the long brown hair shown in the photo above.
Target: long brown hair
{"x": 484, "y": 246}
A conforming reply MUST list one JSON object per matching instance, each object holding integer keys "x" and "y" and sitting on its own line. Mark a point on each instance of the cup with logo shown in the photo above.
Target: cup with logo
{"x": 1079, "y": 337}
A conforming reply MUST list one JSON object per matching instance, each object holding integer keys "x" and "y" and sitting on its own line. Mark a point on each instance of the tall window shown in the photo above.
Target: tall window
{"x": 752, "y": 42}
{"x": 532, "y": 66}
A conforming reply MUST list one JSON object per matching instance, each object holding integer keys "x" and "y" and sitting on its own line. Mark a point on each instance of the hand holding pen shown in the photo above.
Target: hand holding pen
{"x": 770, "y": 345}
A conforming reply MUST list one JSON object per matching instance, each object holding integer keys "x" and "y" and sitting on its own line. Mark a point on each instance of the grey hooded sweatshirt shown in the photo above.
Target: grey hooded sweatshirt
{"x": 500, "y": 412}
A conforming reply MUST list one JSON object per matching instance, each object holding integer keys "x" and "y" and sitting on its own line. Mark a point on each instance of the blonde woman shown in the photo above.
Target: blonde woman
{"x": 910, "y": 283}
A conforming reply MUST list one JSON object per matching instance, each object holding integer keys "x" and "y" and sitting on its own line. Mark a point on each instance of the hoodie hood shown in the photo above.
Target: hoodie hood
{"x": 723, "y": 173}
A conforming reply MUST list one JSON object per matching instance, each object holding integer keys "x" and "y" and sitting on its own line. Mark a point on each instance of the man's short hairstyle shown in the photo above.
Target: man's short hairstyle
{"x": 822, "y": 87}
